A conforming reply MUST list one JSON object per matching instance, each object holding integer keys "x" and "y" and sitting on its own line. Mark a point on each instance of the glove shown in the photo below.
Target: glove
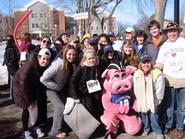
{"x": 69, "y": 105}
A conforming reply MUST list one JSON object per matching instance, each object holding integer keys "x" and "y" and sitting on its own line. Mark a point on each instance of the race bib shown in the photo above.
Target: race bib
{"x": 93, "y": 86}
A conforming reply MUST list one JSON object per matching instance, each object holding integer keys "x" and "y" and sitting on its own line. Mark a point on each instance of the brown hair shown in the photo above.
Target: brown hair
{"x": 65, "y": 61}
{"x": 132, "y": 59}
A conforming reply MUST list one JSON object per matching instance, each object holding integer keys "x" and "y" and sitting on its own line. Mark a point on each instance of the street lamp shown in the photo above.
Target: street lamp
{"x": 55, "y": 30}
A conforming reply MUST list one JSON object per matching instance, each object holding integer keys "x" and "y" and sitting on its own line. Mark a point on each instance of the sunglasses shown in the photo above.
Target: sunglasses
{"x": 44, "y": 41}
{"x": 128, "y": 32}
{"x": 57, "y": 44}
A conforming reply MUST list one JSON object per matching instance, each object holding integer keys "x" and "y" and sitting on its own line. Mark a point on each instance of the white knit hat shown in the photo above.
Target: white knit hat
{"x": 45, "y": 51}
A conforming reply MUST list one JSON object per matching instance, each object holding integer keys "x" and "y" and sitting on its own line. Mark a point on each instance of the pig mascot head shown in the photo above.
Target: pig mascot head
{"x": 117, "y": 79}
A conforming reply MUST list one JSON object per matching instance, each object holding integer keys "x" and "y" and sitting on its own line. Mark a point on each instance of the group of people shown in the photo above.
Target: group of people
{"x": 41, "y": 72}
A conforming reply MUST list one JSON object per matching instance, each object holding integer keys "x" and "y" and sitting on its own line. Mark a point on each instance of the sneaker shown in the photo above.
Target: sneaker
{"x": 144, "y": 134}
{"x": 27, "y": 135}
{"x": 180, "y": 134}
{"x": 61, "y": 134}
{"x": 39, "y": 133}
{"x": 159, "y": 136}
{"x": 167, "y": 130}
{"x": 110, "y": 135}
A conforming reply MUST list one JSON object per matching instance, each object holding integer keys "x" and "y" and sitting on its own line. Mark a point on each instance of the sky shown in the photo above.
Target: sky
{"x": 126, "y": 12}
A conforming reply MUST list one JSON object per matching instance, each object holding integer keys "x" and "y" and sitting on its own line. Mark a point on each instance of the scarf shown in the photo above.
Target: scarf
{"x": 143, "y": 89}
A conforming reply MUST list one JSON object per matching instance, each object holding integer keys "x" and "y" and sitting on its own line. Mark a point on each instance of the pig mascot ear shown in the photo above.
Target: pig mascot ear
{"x": 130, "y": 69}
{"x": 105, "y": 73}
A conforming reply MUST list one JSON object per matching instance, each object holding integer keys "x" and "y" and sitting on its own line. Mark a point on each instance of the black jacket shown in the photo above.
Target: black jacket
{"x": 11, "y": 58}
{"x": 78, "y": 88}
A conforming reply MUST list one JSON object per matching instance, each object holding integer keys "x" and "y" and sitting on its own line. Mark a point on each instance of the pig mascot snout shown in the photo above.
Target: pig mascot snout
{"x": 119, "y": 101}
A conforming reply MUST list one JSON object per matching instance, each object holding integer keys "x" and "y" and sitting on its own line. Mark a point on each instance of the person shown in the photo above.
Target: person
{"x": 117, "y": 43}
{"x": 86, "y": 73}
{"x": 26, "y": 47}
{"x": 171, "y": 59}
{"x": 130, "y": 58}
{"x": 11, "y": 60}
{"x": 57, "y": 46}
{"x": 129, "y": 35}
{"x": 149, "y": 87}
{"x": 65, "y": 37}
{"x": 103, "y": 40}
{"x": 109, "y": 56}
{"x": 84, "y": 41}
{"x": 112, "y": 36}
{"x": 45, "y": 43}
{"x": 140, "y": 44}
{"x": 155, "y": 40}
{"x": 29, "y": 92}
{"x": 54, "y": 78}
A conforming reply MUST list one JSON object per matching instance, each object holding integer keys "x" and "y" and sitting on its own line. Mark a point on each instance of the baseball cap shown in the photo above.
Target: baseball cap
{"x": 107, "y": 48}
{"x": 111, "y": 34}
{"x": 44, "y": 51}
{"x": 145, "y": 58}
{"x": 129, "y": 29}
{"x": 92, "y": 41}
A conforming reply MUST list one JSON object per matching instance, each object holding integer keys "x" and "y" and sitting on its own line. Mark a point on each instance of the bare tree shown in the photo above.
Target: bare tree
{"x": 99, "y": 6}
{"x": 159, "y": 9}
{"x": 9, "y": 5}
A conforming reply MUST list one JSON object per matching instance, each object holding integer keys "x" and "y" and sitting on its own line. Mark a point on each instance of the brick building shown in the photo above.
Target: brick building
{"x": 44, "y": 19}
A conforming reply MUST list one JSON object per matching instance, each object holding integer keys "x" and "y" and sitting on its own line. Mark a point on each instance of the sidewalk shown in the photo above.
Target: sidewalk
{"x": 10, "y": 121}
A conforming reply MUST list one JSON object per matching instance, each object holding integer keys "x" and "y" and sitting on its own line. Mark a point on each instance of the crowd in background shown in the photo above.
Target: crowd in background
{"x": 60, "y": 69}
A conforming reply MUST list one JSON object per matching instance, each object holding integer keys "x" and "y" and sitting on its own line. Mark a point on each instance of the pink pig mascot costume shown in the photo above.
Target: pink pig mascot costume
{"x": 119, "y": 101}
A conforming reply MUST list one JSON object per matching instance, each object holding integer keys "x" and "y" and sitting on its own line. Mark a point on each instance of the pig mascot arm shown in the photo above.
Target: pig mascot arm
{"x": 109, "y": 106}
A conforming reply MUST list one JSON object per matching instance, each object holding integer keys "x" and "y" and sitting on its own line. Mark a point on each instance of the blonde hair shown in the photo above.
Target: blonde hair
{"x": 89, "y": 50}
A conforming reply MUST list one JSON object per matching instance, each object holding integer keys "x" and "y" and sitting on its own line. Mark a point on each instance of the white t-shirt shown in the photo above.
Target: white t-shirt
{"x": 172, "y": 56}
{"x": 117, "y": 45}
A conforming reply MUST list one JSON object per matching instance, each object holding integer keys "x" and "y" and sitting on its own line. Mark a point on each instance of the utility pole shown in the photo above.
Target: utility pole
{"x": 176, "y": 11}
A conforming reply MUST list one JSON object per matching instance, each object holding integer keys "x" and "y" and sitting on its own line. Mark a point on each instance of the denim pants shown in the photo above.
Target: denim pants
{"x": 175, "y": 96}
{"x": 151, "y": 119}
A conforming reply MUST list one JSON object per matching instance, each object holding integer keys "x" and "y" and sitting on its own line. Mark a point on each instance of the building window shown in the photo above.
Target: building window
{"x": 44, "y": 15}
{"x": 45, "y": 25}
{"x": 104, "y": 27}
{"x": 91, "y": 27}
{"x": 32, "y": 15}
{"x": 33, "y": 25}
{"x": 41, "y": 15}
{"x": 37, "y": 25}
{"x": 97, "y": 28}
{"x": 36, "y": 15}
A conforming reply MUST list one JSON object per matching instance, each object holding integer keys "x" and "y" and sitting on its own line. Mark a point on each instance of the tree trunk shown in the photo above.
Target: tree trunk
{"x": 160, "y": 6}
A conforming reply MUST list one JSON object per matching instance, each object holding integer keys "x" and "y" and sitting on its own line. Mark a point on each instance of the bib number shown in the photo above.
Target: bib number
{"x": 93, "y": 86}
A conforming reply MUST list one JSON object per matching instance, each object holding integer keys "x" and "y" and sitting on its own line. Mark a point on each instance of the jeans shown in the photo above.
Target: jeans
{"x": 170, "y": 103}
{"x": 151, "y": 119}
{"x": 11, "y": 87}
{"x": 176, "y": 96}
{"x": 58, "y": 110}
{"x": 180, "y": 97}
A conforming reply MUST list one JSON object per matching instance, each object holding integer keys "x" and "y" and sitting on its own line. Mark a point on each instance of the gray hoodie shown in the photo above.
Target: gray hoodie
{"x": 55, "y": 77}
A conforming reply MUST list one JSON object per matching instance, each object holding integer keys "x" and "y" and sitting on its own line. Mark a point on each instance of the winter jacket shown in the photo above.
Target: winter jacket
{"x": 92, "y": 101}
{"x": 27, "y": 87}
{"x": 11, "y": 58}
{"x": 151, "y": 50}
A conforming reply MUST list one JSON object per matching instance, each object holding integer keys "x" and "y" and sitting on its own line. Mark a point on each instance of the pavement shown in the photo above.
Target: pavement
{"x": 11, "y": 126}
